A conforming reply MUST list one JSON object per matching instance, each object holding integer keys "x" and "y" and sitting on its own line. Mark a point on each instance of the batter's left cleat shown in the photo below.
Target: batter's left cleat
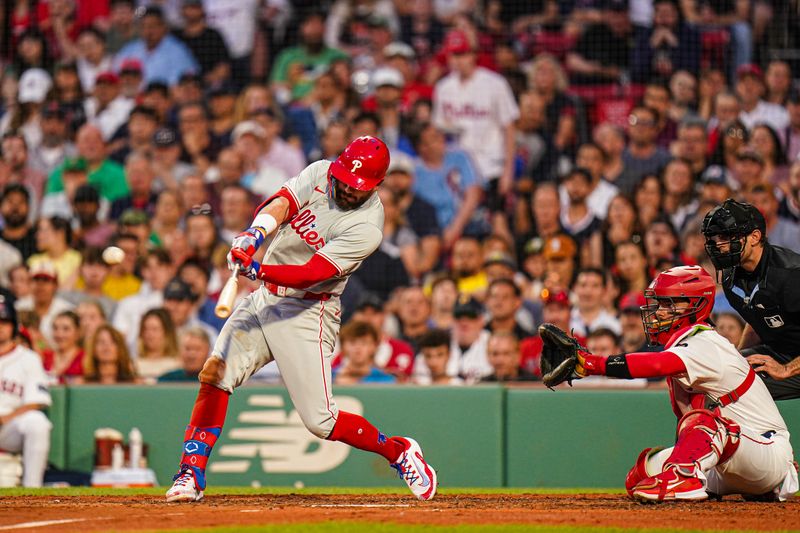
{"x": 184, "y": 488}
{"x": 412, "y": 468}
{"x": 674, "y": 483}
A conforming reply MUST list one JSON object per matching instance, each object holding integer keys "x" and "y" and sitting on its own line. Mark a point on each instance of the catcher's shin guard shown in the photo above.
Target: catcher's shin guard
{"x": 639, "y": 471}
{"x": 704, "y": 439}
{"x": 197, "y": 445}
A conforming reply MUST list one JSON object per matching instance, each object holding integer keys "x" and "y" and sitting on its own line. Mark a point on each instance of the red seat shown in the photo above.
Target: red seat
{"x": 714, "y": 48}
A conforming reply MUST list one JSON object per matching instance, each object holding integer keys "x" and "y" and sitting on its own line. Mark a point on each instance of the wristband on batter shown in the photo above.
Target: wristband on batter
{"x": 617, "y": 367}
{"x": 265, "y": 222}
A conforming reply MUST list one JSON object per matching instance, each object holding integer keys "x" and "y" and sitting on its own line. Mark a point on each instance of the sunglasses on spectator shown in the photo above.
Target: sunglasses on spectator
{"x": 633, "y": 120}
{"x": 201, "y": 210}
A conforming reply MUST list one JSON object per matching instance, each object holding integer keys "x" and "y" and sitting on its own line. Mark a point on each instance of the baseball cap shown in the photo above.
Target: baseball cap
{"x": 75, "y": 164}
{"x": 559, "y": 247}
{"x": 369, "y": 300}
{"x": 555, "y": 297}
{"x": 190, "y": 77}
{"x": 130, "y": 65}
{"x": 715, "y": 175}
{"x": 748, "y": 154}
{"x": 53, "y": 110}
{"x": 388, "y": 76}
{"x": 632, "y": 302}
{"x": 377, "y": 21}
{"x": 500, "y": 258}
{"x": 248, "y": 127}
{"x": 147, "y": 111}
{"x": 400, "y": 163}
{"x": 749, "y": 69}
{"x": 164, "y": 137}
{"x": 86, "y": 194}
{"x": 467, "y": 307}
{"x": 34, "y": 84}
{"x": 223, "y": 89}
{"x": 399, "y": 48}
{"x": 535, "y": 246}
{"x": 271, "y": 112}
{"x": 44, "y": 270}
{"x": 177, "y": 289}
{"x": 133, "y": 217}
{"x": 195, "y": 3}
{"x": 457, "y": 42}
{"x": 106, "y": 77}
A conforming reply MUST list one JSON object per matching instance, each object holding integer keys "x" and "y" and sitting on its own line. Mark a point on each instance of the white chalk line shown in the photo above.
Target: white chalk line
{"x": 361, "y": 505}
{"x": 43, "y": 523}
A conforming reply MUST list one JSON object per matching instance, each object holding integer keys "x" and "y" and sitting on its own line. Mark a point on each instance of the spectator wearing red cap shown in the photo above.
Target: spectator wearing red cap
{"x": 45, "y": 304}
{"x": 108, "y": 108}
{"x": 130, "y": 77}
{"x": 750, "y": 89}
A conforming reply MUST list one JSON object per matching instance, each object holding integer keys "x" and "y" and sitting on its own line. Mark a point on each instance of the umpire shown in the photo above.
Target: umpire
{"x": 762, "y": 282}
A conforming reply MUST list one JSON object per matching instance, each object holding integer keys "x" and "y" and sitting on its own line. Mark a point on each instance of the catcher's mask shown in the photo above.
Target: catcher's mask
{"x": 662, "y": 317}
{"x": 725, "y": 228}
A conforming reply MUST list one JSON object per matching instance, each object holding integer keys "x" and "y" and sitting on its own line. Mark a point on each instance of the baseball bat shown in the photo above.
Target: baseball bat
{"x": 228, "y": 296}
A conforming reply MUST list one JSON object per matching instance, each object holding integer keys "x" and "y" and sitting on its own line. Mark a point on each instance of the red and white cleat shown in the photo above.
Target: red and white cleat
{"x": 184, "y": 488}
{"x": 674, "y": 483}
{"x": 412, "y": 468}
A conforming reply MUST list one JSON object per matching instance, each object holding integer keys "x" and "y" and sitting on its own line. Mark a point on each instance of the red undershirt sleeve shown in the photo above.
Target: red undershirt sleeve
{"x": 636, "y": 365}
{"x": 318, "y": 269}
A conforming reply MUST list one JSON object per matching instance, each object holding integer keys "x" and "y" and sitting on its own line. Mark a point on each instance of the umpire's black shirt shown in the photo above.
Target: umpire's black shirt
{"x": 769, "y": 298}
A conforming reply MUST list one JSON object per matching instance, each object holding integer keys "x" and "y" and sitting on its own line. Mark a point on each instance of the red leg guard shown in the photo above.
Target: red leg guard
{"x": 356, "y": 431}
{"x": 639, "y": 471}
{"x": 704, "y": 439}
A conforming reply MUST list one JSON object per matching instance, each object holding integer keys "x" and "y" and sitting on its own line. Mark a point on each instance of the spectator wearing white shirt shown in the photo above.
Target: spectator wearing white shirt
{"x": 589, "y": 313}
{"x": 750, "y": 89}
{"x": 92, "y": 58}
{"x": 592, "y": 158}
{"x": 108, "y": 109}
{"x": 237, "y": 21}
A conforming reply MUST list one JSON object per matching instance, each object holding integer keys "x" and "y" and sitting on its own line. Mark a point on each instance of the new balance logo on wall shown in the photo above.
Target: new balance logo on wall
{"x": 279, "y": 440}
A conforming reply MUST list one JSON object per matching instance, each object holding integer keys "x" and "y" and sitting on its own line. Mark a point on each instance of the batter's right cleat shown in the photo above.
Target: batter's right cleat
{"x": 674, "y": 483}
{"x": 412, "y": 468}
{"x": 184, "y": 488}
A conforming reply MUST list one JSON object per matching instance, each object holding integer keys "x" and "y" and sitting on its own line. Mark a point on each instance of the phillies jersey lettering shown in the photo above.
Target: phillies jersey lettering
{"x": 344, "y": 238}
{"x": 23, "y": 380}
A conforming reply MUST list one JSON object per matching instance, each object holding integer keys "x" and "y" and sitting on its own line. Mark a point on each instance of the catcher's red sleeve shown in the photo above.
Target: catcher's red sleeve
{"x": 639, "y": 364}
{"x": 304, "y": 276}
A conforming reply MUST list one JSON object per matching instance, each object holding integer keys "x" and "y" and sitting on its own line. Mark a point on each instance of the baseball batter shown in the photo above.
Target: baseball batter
{"x": 731, "y": 439}
{"x": 23, "y": 394}
{"x": 325, "y": 221}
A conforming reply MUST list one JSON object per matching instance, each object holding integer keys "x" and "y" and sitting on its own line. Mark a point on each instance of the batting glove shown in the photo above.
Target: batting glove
{"x": 246, "y": 265}
{"x": 245, "y": 245}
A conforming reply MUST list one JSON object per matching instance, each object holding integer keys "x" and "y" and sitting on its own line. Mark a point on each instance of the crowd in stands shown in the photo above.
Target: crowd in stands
{"x": 548, "y": 158}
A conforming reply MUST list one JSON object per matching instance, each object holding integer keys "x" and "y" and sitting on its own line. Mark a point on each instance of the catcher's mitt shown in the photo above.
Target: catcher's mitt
{"x": 562, "y": 358}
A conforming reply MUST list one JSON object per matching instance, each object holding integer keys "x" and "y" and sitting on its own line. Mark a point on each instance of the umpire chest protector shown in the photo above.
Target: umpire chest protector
{"x": 769, "y": 298}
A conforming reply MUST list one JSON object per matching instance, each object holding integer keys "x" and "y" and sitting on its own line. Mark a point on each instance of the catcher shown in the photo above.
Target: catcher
{"x": 731, "y": 439}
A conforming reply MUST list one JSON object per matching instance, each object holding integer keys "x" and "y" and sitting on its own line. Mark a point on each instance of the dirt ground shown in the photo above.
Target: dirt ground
{"x": 131, "y": 513}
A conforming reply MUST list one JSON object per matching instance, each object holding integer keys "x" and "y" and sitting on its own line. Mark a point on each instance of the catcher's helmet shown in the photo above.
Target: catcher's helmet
{"x": 362, "y": 165}
{"x": 690, "y": 284}
{"x": 732, "y": 221}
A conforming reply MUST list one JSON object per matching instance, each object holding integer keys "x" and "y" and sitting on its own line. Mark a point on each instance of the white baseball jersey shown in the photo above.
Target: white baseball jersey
{"x": 477, "y": 110}
{"x": 345, "y": 238}
{"x": 23, "y": 380}
{"x": 714, "y": 367}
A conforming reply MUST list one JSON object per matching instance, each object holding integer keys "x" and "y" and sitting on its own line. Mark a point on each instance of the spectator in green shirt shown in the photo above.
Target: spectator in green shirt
{"x": 195, "y": 345}
{"x": 107, "y": 176}
{"x": 297, "y": 67}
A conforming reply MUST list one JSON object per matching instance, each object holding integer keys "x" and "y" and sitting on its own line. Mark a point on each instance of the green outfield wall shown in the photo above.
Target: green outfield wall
{"x": 485, "y": 436}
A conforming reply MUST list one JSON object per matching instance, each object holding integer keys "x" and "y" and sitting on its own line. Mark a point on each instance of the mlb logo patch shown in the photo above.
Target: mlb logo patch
{"x": 774, "y": 321}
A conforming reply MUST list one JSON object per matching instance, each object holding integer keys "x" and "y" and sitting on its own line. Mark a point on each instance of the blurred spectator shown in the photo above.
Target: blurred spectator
{"x": 107, "y": 359}
{"x": 468, "y": 357}
{"x": 15, "y": 157}
{"x": 107, "y": 176}
{"x": 444, "y": 294}
{"x": 139, "y": 175}
{"x": 535, "y": 148}
{"x": 137, "y": 135}
{"x": 157, "y": 270}
{"x": 555, "y": 310}
{"x": 420, "y": 215}
{"x": 19, "y": 283}
{"x": 716, "y": 185}
{"x": 88, "y": 229}
{"x": 657, "y": 96}
{"x": 611, "y": 139}
{"x": 750, "y": 89}
{"x": 504, "y": 356}
{"x": 545, "y": 211}
{"x": 197, "y": 274}
{"x": 24, "y": 116}
{"x": 778, "y": 81}
{"x": 53, "y": 239}
{"x": 780, "y": 231}
{"x": 661, "y": 242}
{"x": 201, "y": 232}
{"x": 731, "y": 15}
{"x": 56, "y": 145}
{"x": 730, "y": 325}
{"x": 206, "y": 44}
{"x": 163, "y": 56}
{"x": 621, "y": 225}
{"x": 647, "y": 198}
{"x": 221, "y": 104}
{"x": 130, "y": 77}
{"x": 276, "y": 152}
{"x": 194, "y": 349}
{"x": 602, "y": 53}
{"x": 733, "y": 138}
{"x": 576, "y": 218}
{"x": 683, "y": 88}
{"x": 45, "y": 304}
{"x": 792, "y": 132}
{"x": 632, "y": 338}
{"x": 477, "y": 107}
{"x": 748, "y": 169}
{"x": 170, "y": 171}
{"x": 317, "y": 112}
{"x": 765, "y": 141}
{"x": 238, "y": 22}
{"x": 296, "y": 67}
{"x": 667, "y": 46}
{"x": 642, "y": 156}
{"x": 605, "y": 342}
{"x": 503, "y": 302}
{"x": 359, "y": 342}
{"x": 447, "y": 180}
{"x": 93, "y": 272}
{"x": 122, "y": 26}
{"x": 591, "y": 157}
{"x": 236, "y": 211}
{"x": 179, "y": 301}
{"x": 680, "y": 198}
{"x": 466, "y": 266}
{"x": 548, "y": 81}
{"x": 137, "y": 224}
{"x": 74, "y": 176}
{"x": 435, "y": 353}
{"x": 92, "y": 316}
{"x": 108, "y": 108}
{"x": 790, "y": 205}
{"x": 389, "y": 83}
{"x": 589, "y": 314}
{"x": 413, "y": 311}
{"x": 92, "y": 58}
{"x": 157, "y": 347}
{"x": 156, "y": 95}
{"x": 200, "y": 147}
{"x": 64, "y": 362}
{"x": 392, "y": 355}
{"x": 692, "y": 145}
{"x": 560, "y": 254}
{"x": 122, "y": 280}
{"x": 725, "y": 112}
{"x": 631, "y": 265}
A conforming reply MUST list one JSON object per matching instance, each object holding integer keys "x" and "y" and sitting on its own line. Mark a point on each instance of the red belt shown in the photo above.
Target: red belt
{"x": 738, "y": 391}
{"x": 279, "y": 290}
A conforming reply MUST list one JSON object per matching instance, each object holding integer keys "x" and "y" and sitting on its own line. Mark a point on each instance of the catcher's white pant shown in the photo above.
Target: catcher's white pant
{"x": 28, "y": 433}
{"x": 759, "y": 465}
{"x": 299, "y": 335}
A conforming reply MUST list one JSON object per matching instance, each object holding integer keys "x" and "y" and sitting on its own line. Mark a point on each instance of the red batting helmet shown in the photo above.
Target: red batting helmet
{"x": 363, "y": 163}
{"x": 683, "y": 283}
